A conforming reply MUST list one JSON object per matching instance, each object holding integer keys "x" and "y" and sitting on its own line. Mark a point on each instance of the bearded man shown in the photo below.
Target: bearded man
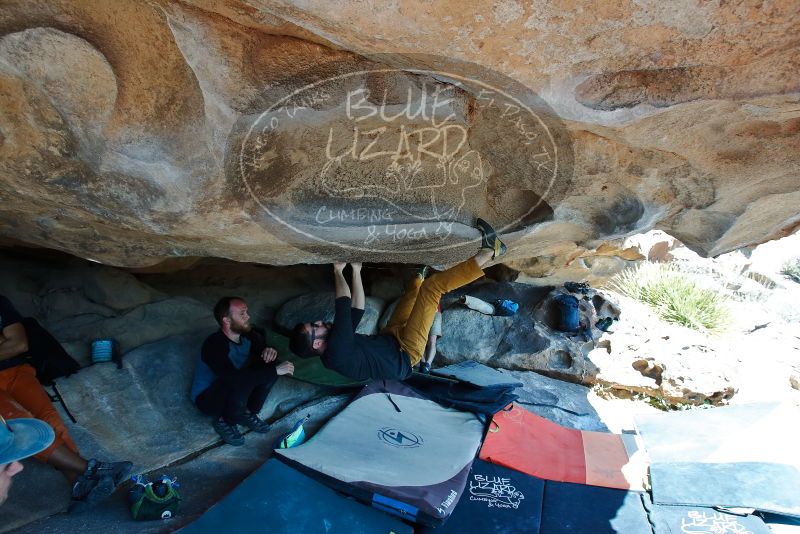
{"x": 235, "y": 372}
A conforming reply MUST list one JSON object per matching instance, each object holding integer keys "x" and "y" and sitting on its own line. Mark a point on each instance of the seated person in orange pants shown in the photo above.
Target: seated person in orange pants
{"x": 22, "y": 396}
{"x": 401, "y": 345}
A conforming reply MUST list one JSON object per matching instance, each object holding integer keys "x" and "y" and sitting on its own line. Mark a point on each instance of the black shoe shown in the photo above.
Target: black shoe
{"x": 116, "y": 471}
{"x": 86, "y": 492}
{"x": 425, "y": 368}
{"x": 489, "y": 239}
{"x": 229, "y": 433}
{"x": 251, "y": 421}
{"x": 577, "y": 287}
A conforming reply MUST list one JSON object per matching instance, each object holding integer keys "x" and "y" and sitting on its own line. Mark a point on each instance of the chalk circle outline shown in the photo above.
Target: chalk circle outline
{"x": 436, "y": 75}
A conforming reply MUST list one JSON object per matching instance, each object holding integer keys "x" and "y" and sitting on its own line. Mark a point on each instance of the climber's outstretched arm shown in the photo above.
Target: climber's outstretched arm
{"x": 342, "y": 289}
{"x": 359, "y": 300}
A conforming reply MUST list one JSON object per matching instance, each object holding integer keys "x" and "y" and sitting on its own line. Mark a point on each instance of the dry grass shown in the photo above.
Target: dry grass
{"x": 791, "y": 270}
{"x": 675, "y": 296}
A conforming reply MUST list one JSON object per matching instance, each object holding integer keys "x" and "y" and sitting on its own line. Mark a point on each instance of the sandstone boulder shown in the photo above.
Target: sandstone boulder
{"x": 105, "y": 286}
{"x": 655, "y": 246}
{"x": 145, "y": 324}
{"x": 518, "y": 342}
{"x": 568, "y": 262}
{"x": 264, "y": 287}
{"x": 641, "y": 354}
{"x": 387, "y": 287}
{"x": 20, "y": 283}
{"x": 143, "y": 412}
{"x": 132, "y": 118}
{"x": 58, "y": 305}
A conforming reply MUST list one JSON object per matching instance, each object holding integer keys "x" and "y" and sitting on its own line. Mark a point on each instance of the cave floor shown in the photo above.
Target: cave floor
{"x": 207, "y": 477}
{"x": 204, "y": 479}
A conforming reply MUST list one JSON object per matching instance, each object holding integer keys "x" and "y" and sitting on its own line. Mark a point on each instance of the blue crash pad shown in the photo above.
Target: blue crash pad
{"x": 280, "y": 500}
{"x": 496, "y": 500}
{"x": 741, "y": 456}
{"x": 759, "y": 485}
{"x": 580, "y": 509}
{"x": 694, "y": 519}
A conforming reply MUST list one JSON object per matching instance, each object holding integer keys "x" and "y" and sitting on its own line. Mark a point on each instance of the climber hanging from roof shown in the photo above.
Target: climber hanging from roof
{"x": 401, "y": 344}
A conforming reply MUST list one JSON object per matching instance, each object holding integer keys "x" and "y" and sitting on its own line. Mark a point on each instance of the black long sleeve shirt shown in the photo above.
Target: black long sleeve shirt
{"x": 215, "y": 356}
{"x": 360, "y": 356}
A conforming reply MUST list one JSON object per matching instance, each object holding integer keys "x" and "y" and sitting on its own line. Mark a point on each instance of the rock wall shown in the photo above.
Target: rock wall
{"x": 142, "y": 411}
{"x": 123, "y": 127}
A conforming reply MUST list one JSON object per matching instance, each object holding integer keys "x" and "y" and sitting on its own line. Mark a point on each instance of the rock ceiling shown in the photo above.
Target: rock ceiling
{"x": 133, "y": 132}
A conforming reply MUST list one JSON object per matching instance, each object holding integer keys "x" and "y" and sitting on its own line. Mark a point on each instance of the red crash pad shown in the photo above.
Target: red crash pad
{"x": 521, "y": 440}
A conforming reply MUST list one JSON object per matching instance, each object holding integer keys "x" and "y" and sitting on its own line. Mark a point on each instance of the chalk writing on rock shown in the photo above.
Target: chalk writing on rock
{"x": 398, "y": 155}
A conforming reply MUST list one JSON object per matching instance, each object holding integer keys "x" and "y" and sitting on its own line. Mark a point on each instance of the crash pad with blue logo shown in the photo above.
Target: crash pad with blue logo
{"x": 700, "y": 520}
{"x": 396, "y": 450}
{"x": 496, "y": 500}
{"x": 280, "y": 500}
{"x": 499, "y": 500}
{"x": 569, "y": 508}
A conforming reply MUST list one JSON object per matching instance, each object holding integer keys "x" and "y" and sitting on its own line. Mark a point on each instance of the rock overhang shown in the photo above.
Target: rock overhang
{"x": 124, "y": 121}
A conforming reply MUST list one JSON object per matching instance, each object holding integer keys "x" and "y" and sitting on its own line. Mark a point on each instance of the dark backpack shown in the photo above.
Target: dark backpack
{"x": 45, "y": 354}
{"x": 568, "y": 317}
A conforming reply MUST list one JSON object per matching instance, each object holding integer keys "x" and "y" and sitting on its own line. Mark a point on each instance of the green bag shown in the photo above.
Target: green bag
{"x": 147, "y": 505}
{"x": 295, "y": 437}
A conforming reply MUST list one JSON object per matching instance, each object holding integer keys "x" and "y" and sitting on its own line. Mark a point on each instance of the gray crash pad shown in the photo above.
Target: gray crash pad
{"x": 736, "y": 456}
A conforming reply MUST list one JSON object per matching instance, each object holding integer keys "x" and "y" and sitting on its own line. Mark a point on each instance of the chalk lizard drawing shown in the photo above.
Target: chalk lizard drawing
{"x": 496, "y": 491}
{"x": 448, "y": 190}
{"x": 711, "y": 523}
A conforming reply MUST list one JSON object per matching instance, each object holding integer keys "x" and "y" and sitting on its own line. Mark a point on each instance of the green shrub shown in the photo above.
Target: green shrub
{"x": 674, "y": 296}
{"x": 791, "y": 269}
